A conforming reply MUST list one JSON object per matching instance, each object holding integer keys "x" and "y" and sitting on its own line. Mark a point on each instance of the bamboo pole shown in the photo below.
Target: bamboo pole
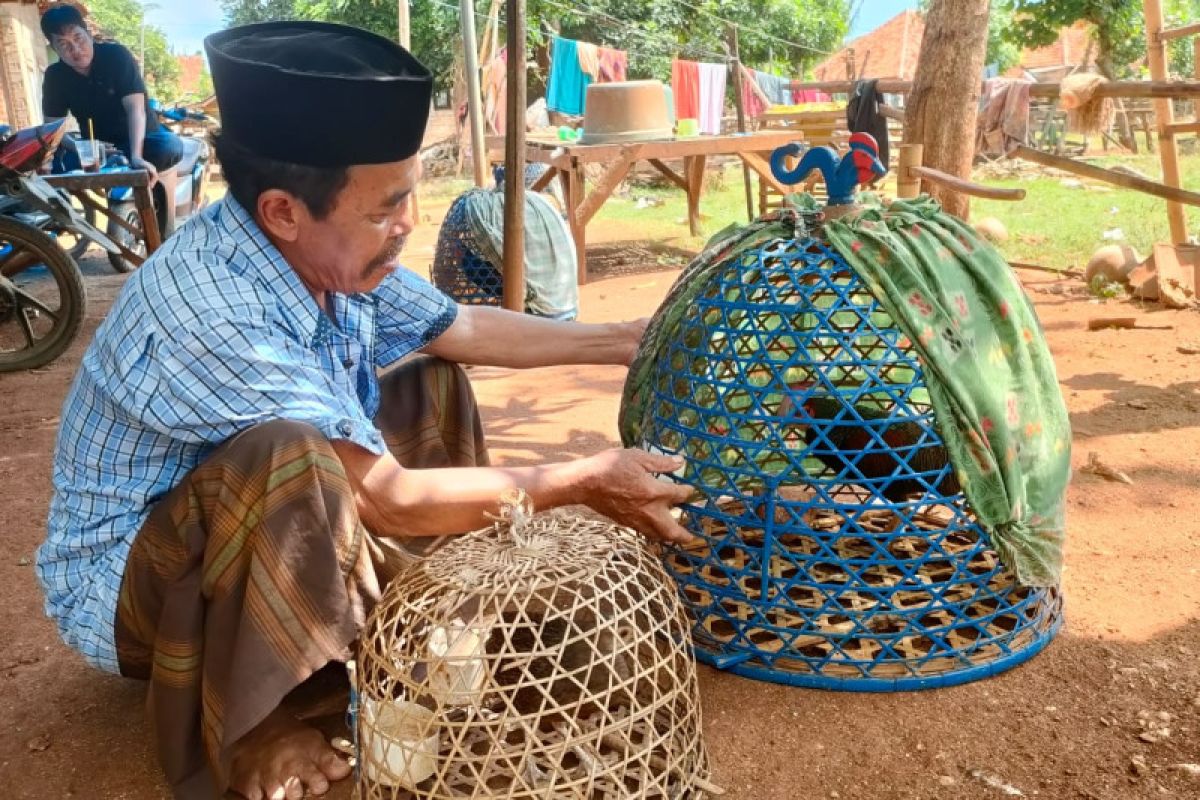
{"x": 514, "y": 162}
{"x": 474, "y": 101}
{"x": 908, "y": 182}
{"x": 736, "y": 67}
{"x": 1164, "y": 191}
{"x": 968, "y": 187}
{"x": 1164, "y": 114}
{"x": 1179, "y": 33}
{"x": 911, "y": 171}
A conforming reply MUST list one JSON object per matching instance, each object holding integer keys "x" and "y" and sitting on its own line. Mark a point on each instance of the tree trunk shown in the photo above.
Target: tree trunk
{"x": 944, "y": 101}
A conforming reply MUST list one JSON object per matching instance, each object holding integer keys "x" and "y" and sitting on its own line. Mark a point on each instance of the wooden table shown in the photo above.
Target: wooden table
{"x": 567, "y": 163}
{"x": 82, "y": 185}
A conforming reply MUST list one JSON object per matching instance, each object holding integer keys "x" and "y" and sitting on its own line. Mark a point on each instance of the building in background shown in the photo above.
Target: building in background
{"x": 23, "y": 59}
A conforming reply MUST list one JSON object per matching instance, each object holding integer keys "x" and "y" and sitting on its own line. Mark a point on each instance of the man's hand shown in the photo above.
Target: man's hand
{"x": 621, "y": 484}
{"x": 137, "y": 162}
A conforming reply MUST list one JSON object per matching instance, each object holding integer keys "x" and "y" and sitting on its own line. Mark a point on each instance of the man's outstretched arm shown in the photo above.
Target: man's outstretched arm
{"x": 493, "y": 337}
{"x": 621, "y": 484}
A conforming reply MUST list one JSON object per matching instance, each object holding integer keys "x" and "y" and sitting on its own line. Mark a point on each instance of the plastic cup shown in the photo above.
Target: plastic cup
{"x": 687, "y": 127}
{"x": 89, "y": 154}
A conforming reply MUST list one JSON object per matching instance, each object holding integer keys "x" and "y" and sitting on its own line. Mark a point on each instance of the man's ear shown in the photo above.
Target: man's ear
{"x": 281, "y": 214}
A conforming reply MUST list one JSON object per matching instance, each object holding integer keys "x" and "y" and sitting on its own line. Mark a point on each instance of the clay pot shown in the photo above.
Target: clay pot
{"x": 1114, "y": 262}
{"x": 992, "y": 229}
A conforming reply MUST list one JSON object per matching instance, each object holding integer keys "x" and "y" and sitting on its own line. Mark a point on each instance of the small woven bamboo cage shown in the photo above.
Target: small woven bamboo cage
{"x": 547, "y": 657}
{"x": 458, "y": 268}
{"x": 832, "y": 557}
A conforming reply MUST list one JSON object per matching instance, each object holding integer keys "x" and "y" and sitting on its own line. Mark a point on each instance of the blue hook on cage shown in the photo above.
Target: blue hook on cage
{"x": 842, "y": 174}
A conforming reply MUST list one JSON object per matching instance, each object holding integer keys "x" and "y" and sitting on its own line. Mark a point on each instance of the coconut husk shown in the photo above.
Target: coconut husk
{"x": 1086, "y": 113}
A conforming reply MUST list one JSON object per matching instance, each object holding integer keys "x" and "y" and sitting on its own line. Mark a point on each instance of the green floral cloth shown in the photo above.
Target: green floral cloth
{"x": 989, "y": 372}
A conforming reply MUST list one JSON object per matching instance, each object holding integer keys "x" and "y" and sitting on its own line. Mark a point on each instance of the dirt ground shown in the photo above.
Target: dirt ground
{"x": 1068, "y": 724}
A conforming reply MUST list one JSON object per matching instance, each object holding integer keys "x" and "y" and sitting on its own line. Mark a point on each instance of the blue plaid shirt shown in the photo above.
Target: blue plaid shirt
{"x": 214, "y": 334}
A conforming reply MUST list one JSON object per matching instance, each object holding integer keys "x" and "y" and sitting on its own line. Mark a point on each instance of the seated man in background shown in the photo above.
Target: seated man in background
{"x": 100, "y": 84}
{"x": 272, "y": 416}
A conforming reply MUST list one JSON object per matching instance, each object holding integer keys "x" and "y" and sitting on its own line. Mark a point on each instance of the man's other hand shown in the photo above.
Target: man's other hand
{"x": 622, "y": 485}
{"x": 141, "y": 163}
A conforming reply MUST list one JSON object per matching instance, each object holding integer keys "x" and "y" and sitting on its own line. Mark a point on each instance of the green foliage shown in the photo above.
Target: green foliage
{"x": 1118, "y": 28}
{"x": 653, "y": 31}
{"x": 122, "y": 20}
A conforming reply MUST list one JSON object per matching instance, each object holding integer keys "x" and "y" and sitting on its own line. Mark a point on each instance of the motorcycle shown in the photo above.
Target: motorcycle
{"x": 42, "y": 298}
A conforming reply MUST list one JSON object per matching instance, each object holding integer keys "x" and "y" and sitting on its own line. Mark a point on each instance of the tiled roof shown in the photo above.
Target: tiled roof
{"x": 889, "y": 51}
{"x": 1068, "y": 51}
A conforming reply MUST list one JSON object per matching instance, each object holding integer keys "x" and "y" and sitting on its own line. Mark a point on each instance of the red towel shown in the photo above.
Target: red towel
{"x": 685, "y": 84}
{"x": 810, "y": 96}
{"x": 752, "y": 103}
{"x": 613, "y": 64}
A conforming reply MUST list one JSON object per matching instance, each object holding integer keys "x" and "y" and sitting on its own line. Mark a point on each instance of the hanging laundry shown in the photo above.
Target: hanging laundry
{"x": 1003, "y": 121}
{"x": 712, "y": 97}
{"x": 800, "y": 96}
{"x": 566, "y": 89}
{"x": 589, "y": 59}
{"x": 778, "y": 90}
{"x": 754, "y": 102}
{"x": 863, "y": 115}
{"x": 685, "y": 84}
{"x": 495, "y": 89}
{"x": 614, "y": 64}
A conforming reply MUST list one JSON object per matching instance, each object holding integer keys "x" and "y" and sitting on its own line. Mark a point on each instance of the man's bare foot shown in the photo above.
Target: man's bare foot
{"x": 282, "y": 759}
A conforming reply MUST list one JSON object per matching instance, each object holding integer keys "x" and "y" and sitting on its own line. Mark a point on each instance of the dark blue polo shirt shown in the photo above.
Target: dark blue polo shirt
{"x": 97, "y": 96}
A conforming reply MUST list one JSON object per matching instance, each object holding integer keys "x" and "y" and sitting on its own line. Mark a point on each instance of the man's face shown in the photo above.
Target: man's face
{"x": 358, "y": 243}
{"x": 74, "y": 47}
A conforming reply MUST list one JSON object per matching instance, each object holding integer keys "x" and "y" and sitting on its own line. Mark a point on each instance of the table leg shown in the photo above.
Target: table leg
{"x": 693, "y": 169}
{"x": 573, "y": 188}
{"x": 145, "y": 207}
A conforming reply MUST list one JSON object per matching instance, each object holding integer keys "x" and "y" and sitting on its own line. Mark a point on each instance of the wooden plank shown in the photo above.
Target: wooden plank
{"x": 1107, "y": 175}
{"x": 967, "y": 187}
{"x": 763, "y": 141}
{"x": 547, "y": 177}
{"x": 1179, "y": 33}
{"x": 1164, "y": 113}
{"x": 670, "y": 174}
{"x": 1135, "y": 89}
{"x": 763, "y": 169}
{"x": 90, "y": 202}
{"x": 604, "y": 187}
{"x": 99, "y": 180}
{"x": 1176, "y": 128}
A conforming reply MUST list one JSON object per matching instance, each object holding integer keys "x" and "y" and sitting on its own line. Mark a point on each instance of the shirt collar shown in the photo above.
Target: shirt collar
{"x": 274, "y": 270}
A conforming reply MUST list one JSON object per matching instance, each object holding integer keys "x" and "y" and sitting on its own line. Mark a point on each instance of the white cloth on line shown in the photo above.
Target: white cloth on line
{"x": 712, "y": 97}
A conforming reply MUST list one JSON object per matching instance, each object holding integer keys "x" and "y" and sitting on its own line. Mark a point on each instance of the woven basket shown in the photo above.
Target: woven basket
{"x": 832, "y": 557}
{"x": 546, "y": 657}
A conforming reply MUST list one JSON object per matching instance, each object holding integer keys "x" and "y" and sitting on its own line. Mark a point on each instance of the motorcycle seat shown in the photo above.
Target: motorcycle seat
{"x": 192, "y": 149}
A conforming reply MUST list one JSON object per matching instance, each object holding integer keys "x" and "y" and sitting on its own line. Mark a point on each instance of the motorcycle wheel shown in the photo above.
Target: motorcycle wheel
{"x": 129, "y": 213}
{"x": 42, "y": 298}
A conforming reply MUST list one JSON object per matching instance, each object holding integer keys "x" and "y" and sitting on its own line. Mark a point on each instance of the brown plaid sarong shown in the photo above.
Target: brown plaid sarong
{"x": 254, "y": 571}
